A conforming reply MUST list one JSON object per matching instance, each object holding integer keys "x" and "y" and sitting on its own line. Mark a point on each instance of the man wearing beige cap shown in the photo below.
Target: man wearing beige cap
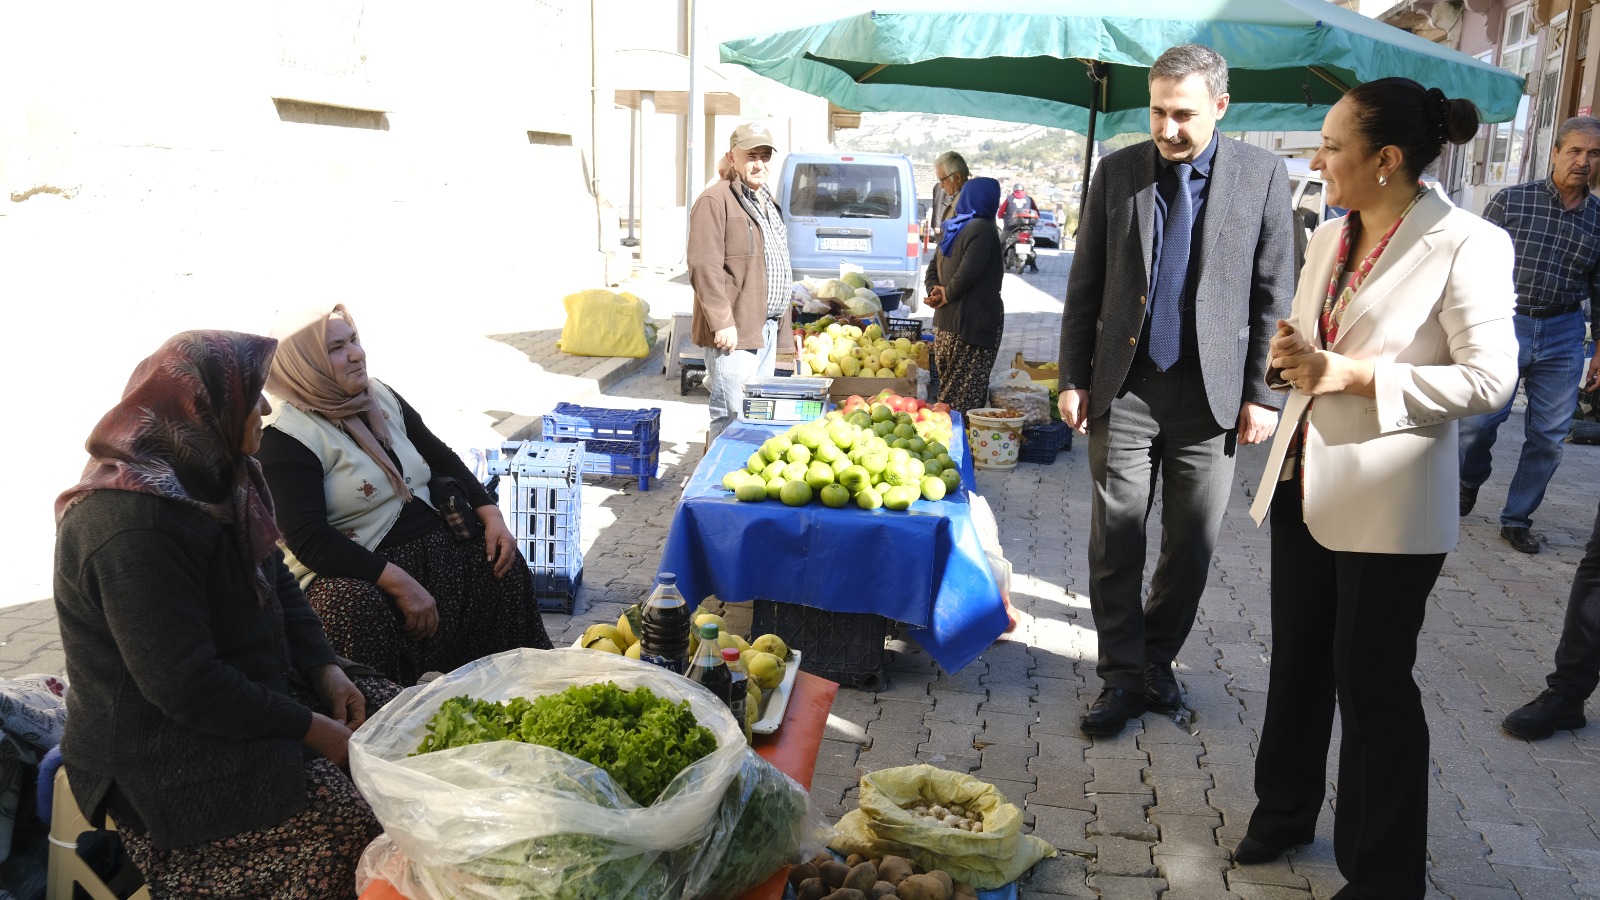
{"x": 739, "y": 267}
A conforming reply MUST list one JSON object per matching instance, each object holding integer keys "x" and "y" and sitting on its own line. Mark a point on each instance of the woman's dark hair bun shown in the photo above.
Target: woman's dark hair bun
{"x": 1460, "y": 120}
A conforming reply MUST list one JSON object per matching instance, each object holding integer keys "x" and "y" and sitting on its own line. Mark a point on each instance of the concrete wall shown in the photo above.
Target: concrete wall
{"x": 188, "y": 164}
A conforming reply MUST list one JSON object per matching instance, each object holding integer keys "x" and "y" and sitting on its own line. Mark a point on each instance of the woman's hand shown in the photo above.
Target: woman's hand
{"x": 497, "y": 539}
{"x": 1319, "y": 372}
{"x": 344, "y": 701}
{"x": 935, "y": 298}
{"x": 328, "y": 738}
{"x": 414, "y": 601}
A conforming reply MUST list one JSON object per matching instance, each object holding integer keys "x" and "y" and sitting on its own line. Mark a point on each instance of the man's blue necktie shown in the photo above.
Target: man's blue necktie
{"x": 1166, "y": 318}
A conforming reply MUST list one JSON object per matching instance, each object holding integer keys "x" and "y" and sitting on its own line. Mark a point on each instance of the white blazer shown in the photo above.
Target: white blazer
{"x": 1434, "y": 317}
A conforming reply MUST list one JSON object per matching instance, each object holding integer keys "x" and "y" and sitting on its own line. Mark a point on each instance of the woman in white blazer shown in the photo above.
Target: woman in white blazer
{"x": 1401, "y": 325}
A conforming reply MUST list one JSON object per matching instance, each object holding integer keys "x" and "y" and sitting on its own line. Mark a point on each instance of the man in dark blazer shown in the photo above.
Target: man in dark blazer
{"x": 1184, "y": 265}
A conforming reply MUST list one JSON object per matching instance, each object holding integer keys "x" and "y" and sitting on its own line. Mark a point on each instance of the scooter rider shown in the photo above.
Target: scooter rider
{"x": 1014, "y": 205}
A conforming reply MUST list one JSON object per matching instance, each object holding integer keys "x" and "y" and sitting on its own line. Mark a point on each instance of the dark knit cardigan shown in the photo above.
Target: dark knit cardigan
{"x": 179, "y": 676}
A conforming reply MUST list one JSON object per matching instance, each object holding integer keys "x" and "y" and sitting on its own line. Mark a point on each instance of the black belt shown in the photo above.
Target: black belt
{"x": 776, "y": 318}
{"x": 1547, "y": 312}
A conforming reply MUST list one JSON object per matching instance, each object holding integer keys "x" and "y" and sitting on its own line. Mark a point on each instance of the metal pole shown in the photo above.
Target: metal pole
{"x": 692, "y": 117}
{"x": 1097, "y": 78}
{"x": 633, "y": 164}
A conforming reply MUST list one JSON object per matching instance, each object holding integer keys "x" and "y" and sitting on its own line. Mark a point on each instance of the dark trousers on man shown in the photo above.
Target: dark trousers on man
{"x": 1578, "y": 655}
{"x": 1159, "y": 426}
{"x": 1345, "y": 625}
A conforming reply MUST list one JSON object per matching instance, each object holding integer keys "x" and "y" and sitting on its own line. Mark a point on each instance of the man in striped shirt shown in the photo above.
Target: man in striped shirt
{"x": 1554, "y": 225}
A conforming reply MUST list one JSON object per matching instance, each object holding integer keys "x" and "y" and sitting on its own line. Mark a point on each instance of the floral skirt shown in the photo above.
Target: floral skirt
{"x": 479, "y": 614}
{"x": 308, "y": 856}
{"x": 964, "y": 371}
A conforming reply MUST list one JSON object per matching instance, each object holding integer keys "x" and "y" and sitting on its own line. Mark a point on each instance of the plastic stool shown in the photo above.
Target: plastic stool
{"x": 67, "y": 868}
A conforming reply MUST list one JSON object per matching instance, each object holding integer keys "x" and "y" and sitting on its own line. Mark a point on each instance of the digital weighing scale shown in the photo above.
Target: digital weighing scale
{"x": 784, "y": 401}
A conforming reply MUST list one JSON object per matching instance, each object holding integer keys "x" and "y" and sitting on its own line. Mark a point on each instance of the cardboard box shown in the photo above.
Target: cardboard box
{"x": 1035, "y": 369}
{"x": 842, "y": 388}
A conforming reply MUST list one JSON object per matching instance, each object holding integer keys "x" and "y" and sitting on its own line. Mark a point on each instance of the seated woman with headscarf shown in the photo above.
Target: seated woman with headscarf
{"x": 208, "y": 715}
{"x": 349, "y": 463}
{"x": 963, "y": 284}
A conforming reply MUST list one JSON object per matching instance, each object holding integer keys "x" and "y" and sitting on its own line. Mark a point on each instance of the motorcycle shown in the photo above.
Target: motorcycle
{"x": 1019, "y": 249}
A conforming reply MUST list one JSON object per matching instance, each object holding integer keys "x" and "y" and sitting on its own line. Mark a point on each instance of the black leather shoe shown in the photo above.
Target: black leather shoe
{"x": 1469, "y": 497}
{"x": 1252, "y": 852}
{"x": 1548, "y": 713}
{"x": 1161, "y": 691}
{"x": 1112, "y": 711}
{"x": 1520, "y": 539}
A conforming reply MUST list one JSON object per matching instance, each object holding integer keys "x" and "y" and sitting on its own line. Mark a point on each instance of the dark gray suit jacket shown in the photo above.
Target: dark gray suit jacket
{"x": 1246, "y": 273}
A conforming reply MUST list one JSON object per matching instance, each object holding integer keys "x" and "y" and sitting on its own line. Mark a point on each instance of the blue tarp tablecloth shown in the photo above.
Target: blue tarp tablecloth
{"x": 923, "y": 566}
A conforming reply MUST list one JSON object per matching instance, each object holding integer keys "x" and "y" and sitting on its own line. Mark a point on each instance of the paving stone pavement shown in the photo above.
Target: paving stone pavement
{"x": 1153, "y": 812}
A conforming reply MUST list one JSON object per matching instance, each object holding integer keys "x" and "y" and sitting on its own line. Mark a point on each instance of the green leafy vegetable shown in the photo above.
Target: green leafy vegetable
{"x": 642, "y": 741}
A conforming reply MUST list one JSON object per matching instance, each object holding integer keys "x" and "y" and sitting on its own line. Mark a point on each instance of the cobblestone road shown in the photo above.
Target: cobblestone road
{"x": 1152, "y": 812}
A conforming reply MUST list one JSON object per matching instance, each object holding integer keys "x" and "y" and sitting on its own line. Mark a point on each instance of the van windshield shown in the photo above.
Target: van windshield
{"x": 845, "y": 190}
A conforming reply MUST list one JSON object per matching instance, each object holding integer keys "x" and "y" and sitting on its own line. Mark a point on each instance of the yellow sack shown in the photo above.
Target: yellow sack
{"x": 601, "y": 323}
{"x": 989, "y": 859}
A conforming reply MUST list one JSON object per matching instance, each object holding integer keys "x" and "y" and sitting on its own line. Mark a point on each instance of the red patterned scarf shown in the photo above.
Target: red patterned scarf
{"x": 177, "y": 433}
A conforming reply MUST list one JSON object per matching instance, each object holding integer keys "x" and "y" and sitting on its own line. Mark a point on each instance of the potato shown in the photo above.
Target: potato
{"x": 882, "y": 889}
{"x": 895, "y": 869}
{"x": 964, "y": 891}
{"x": 846, "y": 894}
{"x": 922, "y": 887}
{"x": 862, "y": 877}
{"x": 854, "y": 859}
{"x": 833, "y": 873}
{"x": 821, "y": 858}
{"x": 811, "y": 889}
{"x": 944, "y": 879}
{"x": 801, "y": 872}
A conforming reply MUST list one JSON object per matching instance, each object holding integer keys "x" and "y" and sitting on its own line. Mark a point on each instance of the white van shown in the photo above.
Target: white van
{"x": 857, "y": 208}
{"x": 1308, "y": 197}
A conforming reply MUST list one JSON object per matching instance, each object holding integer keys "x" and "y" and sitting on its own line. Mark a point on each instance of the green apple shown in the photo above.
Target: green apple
{"x": 751, "y": 491}
{"x": 810, "y": 435}
{"x": 931, "y": 467}
{"x": 883, "y": 428}
{"x": 855, "y": 479}
{"x": 901, "y": 497}
{"x": 915, "y": 469}
{"x": 798, "y": 453}
{"x": 882, "y": 413}
{"x": 952, "y": 480}
{"x": 896, "y": 473}
{"x": 840, "y": 464}
{"x": 874, "y": 462}
{"x": 932, "y": 487}
{"x": 794, "y": 472}
{"x": 868, "y": 499}
{"x": 774, "y": 448}
{"x": 835, "y": 495}
{"x": 756, "y": 464}
{"x": 773, "y": 470}
{"x": 795, "y": 493}
{"x": 775, "y": 488}
{"x": 819, "y": 475}
{"x": 899, "y": 454}
{"x": 828, "y": 451}
{"x": 842, "y": 434}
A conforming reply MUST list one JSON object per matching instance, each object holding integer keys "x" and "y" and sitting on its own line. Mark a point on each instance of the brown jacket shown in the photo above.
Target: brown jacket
{"x": 728, "y": 268}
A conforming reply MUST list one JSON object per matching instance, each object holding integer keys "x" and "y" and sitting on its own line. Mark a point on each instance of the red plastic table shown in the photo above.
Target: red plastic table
{"x": 792, "y": 749}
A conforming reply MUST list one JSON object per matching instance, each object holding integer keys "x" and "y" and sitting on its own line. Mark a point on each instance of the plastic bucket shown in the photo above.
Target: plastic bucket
{"x": 995, "y": 440}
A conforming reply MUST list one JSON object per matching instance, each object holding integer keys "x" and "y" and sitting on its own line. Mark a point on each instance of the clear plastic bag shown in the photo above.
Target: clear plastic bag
{"x": 513, "y": 820}
{"x": 1013, "y": 389}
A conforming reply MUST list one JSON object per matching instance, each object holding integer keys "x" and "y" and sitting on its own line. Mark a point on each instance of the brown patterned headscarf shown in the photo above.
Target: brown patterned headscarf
{"x": 303, "y": 377}
{"x": 178, "y": 432}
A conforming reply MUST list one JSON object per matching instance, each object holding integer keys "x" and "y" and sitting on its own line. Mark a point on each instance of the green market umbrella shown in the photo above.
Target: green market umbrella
{"x": 1069, "y": 63}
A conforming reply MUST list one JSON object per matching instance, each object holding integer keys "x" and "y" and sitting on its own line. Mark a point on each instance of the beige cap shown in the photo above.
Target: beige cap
{"x": 750, "y": 136}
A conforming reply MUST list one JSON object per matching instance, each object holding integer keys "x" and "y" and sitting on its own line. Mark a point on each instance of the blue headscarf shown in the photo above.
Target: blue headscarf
{"x": 979, "y": 199}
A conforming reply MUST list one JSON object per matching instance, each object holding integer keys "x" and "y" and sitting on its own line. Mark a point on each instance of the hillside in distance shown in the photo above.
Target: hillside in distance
{"x": 984, "y": 142}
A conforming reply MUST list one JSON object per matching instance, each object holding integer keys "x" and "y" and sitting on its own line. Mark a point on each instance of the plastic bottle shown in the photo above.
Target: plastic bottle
{"x": 665, "y": 623}
{"x": 738, "y": 690}
{"x": 707, "y": 667}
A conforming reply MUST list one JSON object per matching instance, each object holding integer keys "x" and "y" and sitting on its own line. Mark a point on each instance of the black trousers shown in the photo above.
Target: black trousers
{"x": 1345, "y": 626}
{"x": 1159, "y": 428}
{"x": 1578, "y": 655}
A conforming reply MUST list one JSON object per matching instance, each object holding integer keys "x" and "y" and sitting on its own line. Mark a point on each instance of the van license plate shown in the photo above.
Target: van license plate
{"x": 855, "y": 245}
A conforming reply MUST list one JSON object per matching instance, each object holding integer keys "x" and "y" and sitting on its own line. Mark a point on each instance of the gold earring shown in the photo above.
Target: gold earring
{"x": 1383, "y": 180}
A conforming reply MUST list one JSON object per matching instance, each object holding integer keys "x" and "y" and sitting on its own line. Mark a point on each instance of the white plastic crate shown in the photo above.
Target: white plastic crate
{"x": 541, "y": 496}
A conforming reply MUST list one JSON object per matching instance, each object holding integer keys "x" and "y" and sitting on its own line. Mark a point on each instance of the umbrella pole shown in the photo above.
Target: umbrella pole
{"x": 1097, "y": 75}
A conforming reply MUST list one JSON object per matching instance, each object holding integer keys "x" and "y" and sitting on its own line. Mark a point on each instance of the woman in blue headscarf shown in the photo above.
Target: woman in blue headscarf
{"x": 963, "y": 284}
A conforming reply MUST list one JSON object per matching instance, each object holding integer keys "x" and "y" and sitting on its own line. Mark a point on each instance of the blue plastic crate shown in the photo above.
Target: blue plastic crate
{"x": 570, "y": 422}
{"x": 628, "y": 459}
{"x": 911, "y": 329}
{"x": 542, "y": 500}
{"x": 1041, "y": 443}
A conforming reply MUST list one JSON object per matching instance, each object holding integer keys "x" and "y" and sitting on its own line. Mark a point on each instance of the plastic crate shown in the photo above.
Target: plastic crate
{"x": 622, "y": 458}
{"x": 840, "y": 646}
{"x": 586, "y": 423}
{"x": 1041, "y": 443}
{"x": 541, "y": 497}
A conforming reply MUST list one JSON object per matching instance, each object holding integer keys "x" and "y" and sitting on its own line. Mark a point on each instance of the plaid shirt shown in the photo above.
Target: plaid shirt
{"x": 775, "y": 247}
{"x": 1557, "y": 250}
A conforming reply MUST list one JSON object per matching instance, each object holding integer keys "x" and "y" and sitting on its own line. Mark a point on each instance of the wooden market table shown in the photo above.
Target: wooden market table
{"x": 792, "y": 749}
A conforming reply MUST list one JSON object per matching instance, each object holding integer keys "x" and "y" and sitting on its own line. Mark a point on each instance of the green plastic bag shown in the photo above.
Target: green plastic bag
{"x": 602, "y": 323}
{"x": 989, "y": 859}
